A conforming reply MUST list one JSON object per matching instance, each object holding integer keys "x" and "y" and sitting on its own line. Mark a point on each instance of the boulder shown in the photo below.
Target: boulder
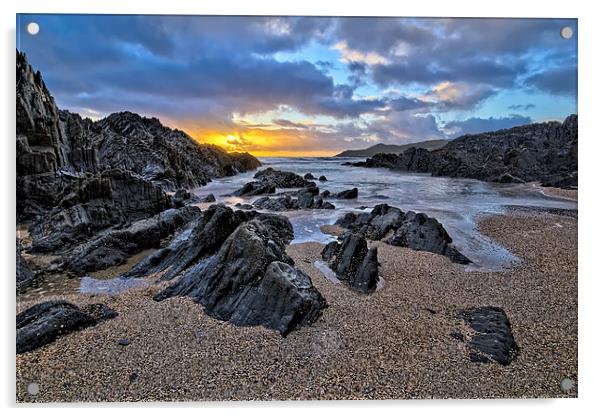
{"x": 183, "y": 197}
{"x": 347, "y": 194}
{"x": 416, "y": 231}
{"x": 308, "y": 176}
{"x": 209, "y": 198}
{"x": 322, "y": 178}
{"x": 251, "y": 281}
{"x": 43, "y": 323}
{"x": 492, "y": 339}
{"x": 353, "y": 263}
{"x": 255, "y": 188}
{"x": 280, "y": 179}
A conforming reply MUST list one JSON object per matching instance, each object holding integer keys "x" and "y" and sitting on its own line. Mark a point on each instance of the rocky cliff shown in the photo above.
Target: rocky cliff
{"x": 55, "y": 148}
{"x": 544, "y": 152}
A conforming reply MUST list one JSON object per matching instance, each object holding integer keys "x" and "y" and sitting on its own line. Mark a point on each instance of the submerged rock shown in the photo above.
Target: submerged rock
{"x": 322, "y": 178}
{"x": 353, "y": 263}
{"x": 416, "y": 231}
{"x": 251, "y": 281}
{"x": 43, "y": 323}
{"x": 492, "y": 339}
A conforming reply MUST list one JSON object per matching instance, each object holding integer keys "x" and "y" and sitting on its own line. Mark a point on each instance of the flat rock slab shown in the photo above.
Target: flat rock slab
{"x": 45, "y": 322}
{"x": 492, "y": 340}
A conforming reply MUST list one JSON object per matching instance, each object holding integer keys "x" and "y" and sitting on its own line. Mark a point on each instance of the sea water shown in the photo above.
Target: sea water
{"x": 455, "y": 202}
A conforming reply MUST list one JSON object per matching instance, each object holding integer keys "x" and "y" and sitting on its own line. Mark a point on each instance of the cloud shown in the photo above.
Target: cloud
{"x": 555, "y": 81}
{"x": 479, "y": 125}
{"x": 458, "y": 94}
{"x": 525, "y": 107}
{"x": 289, "y": 124}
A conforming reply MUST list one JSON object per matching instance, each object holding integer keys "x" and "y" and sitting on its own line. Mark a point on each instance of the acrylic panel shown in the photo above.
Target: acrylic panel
{"x": 295, "y": 208}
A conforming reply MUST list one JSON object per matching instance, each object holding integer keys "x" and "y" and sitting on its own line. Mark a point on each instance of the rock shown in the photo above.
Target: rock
{"x": 416, "y": 231}
{"x": 353, "y": 263}
{"x": 43, "y": 323}
{"x": 97, "y": 202}
{"x": 280, "y": 179}
{"x": 283, "y": 203}
{"x": 423, "y": 233}
{"x": 251, "y": 281}
{"x": 200, "y": 239}
{"x": 246, "y": 207}
{"x": 545, "y": 152}
{"x": 322, "y": 178}
{"x": 306, "y": 198}
{"x": 347, "y": 194}
{"x": 56, "y": 148}
{"x": 25, "y": 277}
{"x": 325, "y": 194}
{"x": 183, "y": 197}
{"x": 115, "y": 246}
{"x": 308, "y": 176}
{"x": 492, "y": 339}
{"x": 124, "y": 342}
{"x": 255, "y": 188}
{"x": 209, "y": 198}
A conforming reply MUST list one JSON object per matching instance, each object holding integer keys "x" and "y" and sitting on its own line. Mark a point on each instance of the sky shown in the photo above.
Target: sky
{"x": 310, "y": 86}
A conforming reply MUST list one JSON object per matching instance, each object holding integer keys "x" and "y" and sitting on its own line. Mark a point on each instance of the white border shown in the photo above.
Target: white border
{"x": 589, "y": 158}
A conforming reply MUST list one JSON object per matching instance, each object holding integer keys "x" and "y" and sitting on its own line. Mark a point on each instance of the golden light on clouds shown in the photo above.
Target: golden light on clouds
{"x": 263, "y": 142}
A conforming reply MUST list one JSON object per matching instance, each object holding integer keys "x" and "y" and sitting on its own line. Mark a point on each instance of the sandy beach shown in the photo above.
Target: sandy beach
{"x": 393, "y": 344}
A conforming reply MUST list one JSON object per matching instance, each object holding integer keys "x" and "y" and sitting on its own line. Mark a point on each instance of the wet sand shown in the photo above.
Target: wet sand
{"x": 393, "y": 344}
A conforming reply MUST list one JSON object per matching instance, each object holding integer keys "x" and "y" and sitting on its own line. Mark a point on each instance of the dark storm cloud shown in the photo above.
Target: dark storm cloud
{"x": 556, "y": 81}
{"x": 479, "y": 125}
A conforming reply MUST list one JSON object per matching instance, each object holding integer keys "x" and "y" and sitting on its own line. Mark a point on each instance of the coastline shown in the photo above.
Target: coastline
{"x": 393, "y": 344}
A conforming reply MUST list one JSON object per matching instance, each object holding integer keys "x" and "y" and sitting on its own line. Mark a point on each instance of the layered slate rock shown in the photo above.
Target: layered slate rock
{"x": 25, "y": 276}
{"x": 267, "y": 180}
{"x": 96, "y": 202}
{"x": 45, "y": 322}
{"x": 545, "y": 152}
{"x": 353, "y": 262}
{"x": 404, "y": 229}
{"x": 252, "y": 281}
{"x": 115, "y": 246}
{"x": 492, "y": 340}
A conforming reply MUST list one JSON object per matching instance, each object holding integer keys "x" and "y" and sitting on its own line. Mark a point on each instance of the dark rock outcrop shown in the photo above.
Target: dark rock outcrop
{"x": 308, "y": 176}
{"x": 416, "y": 231}
{"x": 183, "y": 197}
{"x": 306, "y": 198}
{"x": 347, "y": 194}
{"x": 209, "y": 198}
{"x": 115, "y": 246}
{"x": 255, "y": 188}
{"x": 353, "y": 263}
{"x": 252, "y": 281}
{"x": 96, "y": 202}
{"x": 281, "y": 179}
{"x": 43, "y": 323}
{"x": 55, "y": 148}
{"x": 25, "y": 277}
{"x": 322, "y": 178}
{"x": 545, "y": 152}
{"x": 492, "y": 339}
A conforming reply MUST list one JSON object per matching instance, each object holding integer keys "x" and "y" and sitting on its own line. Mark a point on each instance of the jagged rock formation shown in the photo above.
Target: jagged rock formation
{"x": 54, "y": 148}
{"x": 409, "y": 229}
{"x": 492, "y": 339}
{"x": 251, "y": 280}
{"x": 545, "y": 152}
{"x": 94, "y": 203}
{"x": 353, "y": 262}
{"x": 115, "y": 246}
{"x": 43, "y": 323}
{"x": 197, "y": 240}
